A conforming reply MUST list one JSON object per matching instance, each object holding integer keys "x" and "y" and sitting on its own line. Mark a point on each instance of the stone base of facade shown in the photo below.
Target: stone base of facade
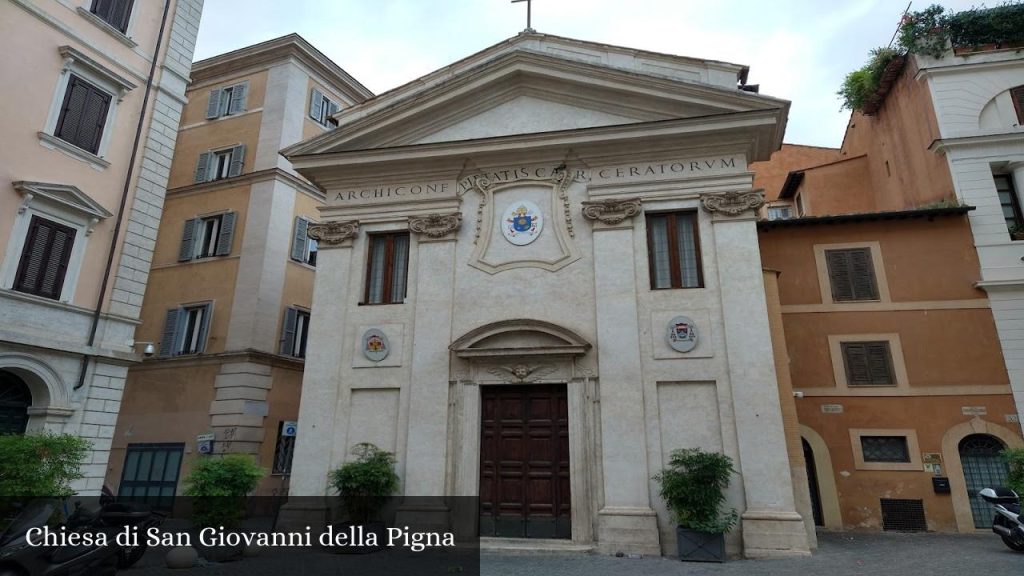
{"x": 774, "y": 534}
{"x": 628, "y": 530}
{"x": 302, "y": 512}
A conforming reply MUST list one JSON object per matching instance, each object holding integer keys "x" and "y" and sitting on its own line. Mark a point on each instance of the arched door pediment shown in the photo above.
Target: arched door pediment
{"x": 519, "y": 338}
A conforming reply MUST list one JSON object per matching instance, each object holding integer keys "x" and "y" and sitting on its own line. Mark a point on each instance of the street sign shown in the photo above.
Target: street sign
{"x": 289, "y": 429}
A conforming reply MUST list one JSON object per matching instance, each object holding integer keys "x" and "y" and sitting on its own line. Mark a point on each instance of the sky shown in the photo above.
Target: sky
{"x": 798, "y": 50}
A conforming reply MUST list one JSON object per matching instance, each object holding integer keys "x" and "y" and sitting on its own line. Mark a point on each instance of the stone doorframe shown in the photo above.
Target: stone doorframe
{"x": 954, "y": 468}
{"x": 517, "y": 352}
{"x": 831, "y": 514}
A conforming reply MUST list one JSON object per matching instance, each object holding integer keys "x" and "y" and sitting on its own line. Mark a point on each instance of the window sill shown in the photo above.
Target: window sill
{"x": 303, "y": 264}
{"x": 106, "y": 27}
{"x": 380, "y": 303}
{"x": 54, "y": 143}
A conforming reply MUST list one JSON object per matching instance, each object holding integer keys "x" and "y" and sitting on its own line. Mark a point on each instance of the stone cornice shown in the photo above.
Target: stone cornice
{"x": 248, "y": 355}
{"x": 761, "y": 147}
{"x": 280, "y": 49}
{"x": 251, "y": 178}
{"x": 733, "y": 203}
{"x": 333, "y": 234}
{"x": 436, "y": 226}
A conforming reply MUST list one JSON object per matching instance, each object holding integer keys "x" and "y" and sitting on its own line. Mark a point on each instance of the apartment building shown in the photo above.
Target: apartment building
{"x": 228, "y": 309}
{"x": 91, "y": 104}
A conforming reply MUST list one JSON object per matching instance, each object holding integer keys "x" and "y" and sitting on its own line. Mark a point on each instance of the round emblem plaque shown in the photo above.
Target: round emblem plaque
{"x": 682, "y": 334}
{"x": 375, "y": 345}
{"x": 522, "y": 222}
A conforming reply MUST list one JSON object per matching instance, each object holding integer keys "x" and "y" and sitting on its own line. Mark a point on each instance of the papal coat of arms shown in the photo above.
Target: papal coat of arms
{"x": 375, "y": 345}
{"x": 682, "y": 334}
{"x": 522, "y": 223}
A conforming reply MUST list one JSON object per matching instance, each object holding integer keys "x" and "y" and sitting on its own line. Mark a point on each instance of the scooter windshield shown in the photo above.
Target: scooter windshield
{"x": 36, "y": 513}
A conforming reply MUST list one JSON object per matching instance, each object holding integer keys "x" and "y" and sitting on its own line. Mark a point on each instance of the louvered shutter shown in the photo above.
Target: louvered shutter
{"x": 188, "y": 235}
{"x": 226, "y": 235}
{"x": 855, "y": 357}
{"x": 203, "y": 167}
{"x": 291, "y": 317}
{"x": 862, "y": 274}
{"x": 299, "y": 240}
{"x": 237, "y": 160}
{"x": 213, "y": 107}
{"x": 94, "y": 117}
{"x": 879, "y": 363}
{"x": 238, "y": 98}
{"x": 204, "y": 329}
{"x": 314, "y": 104}
{"x": 839, "y": 275}
{"x": 71, "y": 110}
{"x": 168, "y": 339}
{"x": 44, "y": 258}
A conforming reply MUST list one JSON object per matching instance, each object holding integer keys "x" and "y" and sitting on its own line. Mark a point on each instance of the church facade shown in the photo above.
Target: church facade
{"x": 538, "y": 275}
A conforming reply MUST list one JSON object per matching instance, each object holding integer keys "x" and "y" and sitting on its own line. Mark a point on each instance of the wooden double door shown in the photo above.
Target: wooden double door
{"x": 524, "y": 461}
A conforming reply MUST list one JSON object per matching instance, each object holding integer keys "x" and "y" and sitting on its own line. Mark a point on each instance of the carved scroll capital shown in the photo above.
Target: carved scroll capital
{"x": 611, "y": 211}
{"x": 436, "y": 226}
{"x": 333, "y": 234}
{"x": 733, "y": 203}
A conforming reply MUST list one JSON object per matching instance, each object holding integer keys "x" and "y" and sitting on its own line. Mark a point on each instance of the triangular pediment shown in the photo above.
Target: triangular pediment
{"x": 65, "y": 195}
{"x": 533, "y": 86}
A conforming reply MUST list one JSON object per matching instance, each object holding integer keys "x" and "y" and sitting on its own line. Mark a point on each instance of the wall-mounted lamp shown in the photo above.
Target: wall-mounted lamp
{"x": 148, "y": 350}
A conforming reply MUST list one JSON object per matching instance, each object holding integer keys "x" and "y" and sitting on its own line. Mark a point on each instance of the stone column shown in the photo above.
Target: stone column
{"x": 626, "y": 523}
{"x": 321, "y": 385}
{"x": 771, "y": 526}
{"x": 427, "y": 434}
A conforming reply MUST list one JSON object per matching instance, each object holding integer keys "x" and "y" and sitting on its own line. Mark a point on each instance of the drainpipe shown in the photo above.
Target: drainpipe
{"x": 124, "y": 199}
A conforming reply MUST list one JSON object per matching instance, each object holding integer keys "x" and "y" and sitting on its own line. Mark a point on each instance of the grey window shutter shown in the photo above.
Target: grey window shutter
{"x": 879, "y": 362}
{"x": 238, "y": 98}
{"x": 213, "y": 107}
{"x": 839, "y": 275}
{"x": 227, "y": 234}
{"x": 314, "y": 104}
{"x": 188, "y": 238}
{"x": 291, "y": 318}
{"x": 862, "y": 272}
{"x": 204, "y": 330}
{"x": 237, "y": 160}
{"x": 868, "y": 363}
{"x": 300, "y": 240}
{"x": 203, "y": 168}
{"x": 168, "y": 339}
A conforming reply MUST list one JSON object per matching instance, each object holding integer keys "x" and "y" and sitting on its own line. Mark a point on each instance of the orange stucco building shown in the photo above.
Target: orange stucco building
{"x": 888, "y": 344}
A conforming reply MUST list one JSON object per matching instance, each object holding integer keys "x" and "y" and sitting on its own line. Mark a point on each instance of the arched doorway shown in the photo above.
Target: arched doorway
{"x": 812, "y": 484}
{"x": 15, "y": 399}
{"x": 983, "y": 468}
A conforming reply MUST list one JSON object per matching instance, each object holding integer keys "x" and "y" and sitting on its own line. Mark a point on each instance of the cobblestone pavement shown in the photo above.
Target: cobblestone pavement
{"x": 839, "y": 554}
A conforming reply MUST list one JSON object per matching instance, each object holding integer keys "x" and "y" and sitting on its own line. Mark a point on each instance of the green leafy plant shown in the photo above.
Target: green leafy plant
{"x": 1016, "y": 232}
{"x": 46, "y": 464}
{"x": 1015, "y": 459}
{"x": 932, "y": 30}
{"x": 693, "y": 486}
{"x": 365, "y": 483}
{"x": 861, "y": 85}
{"x": 219, "y": 486}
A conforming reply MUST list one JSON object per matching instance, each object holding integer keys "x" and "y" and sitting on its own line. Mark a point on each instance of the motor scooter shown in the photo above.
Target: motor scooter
{"x": 1007, "y": 523}
{"x": 19, "y": 557}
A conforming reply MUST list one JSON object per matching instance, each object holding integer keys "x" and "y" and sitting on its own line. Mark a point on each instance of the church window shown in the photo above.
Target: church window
{"x": 673, "y": 247}
{"x": 1010, "y": 203}
{"x": 851, "y": 273}
{"x": 386, "y": 268}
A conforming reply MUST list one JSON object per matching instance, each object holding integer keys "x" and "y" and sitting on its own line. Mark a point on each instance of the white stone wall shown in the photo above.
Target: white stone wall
{"x": 981, "y": 135}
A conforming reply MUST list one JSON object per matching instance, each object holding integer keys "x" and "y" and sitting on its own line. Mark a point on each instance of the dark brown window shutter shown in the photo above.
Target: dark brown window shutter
{"x": 1017, "y": 95}
{"x": 114, "y": 12}
{"x": 44, "y": 259}
{"x": 851, "y": 273}
{"x": 83, "y": 115}
{"x": 868, "y": 364}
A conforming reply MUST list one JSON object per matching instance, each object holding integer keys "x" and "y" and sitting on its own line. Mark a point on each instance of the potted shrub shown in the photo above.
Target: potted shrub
{"x": 1016, "y": 232}
{"x": 693, "y": 486}
{"x": 218, "y": 487}
{"x": 364, "y": 486}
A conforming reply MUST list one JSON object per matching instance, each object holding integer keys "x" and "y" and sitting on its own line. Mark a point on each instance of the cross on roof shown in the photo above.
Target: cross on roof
{"x": 529, "y": 6}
